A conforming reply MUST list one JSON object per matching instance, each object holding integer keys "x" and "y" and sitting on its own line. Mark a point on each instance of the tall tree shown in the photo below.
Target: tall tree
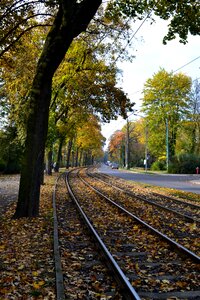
{"x": 72, "y": 18}
{"x": 116, "y": 147}
{"x": 165, "y": 103}
{"x": 135, "y": 133}
{"x": 195, "y": 117}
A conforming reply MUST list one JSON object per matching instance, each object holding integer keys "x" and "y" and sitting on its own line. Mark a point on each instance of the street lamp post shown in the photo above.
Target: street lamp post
{"x": 167, "y": 144}
{"x": 146, "y": 148}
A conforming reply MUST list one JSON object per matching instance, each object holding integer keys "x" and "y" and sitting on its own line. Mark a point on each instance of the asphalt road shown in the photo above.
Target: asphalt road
{"x": 188, "y": 183}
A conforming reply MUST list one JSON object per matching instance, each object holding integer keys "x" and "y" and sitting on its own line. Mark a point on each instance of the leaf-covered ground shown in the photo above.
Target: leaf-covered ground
{"x": 26, "y": 249}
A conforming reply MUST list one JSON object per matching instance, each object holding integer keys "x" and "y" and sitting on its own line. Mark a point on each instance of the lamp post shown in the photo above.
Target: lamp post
{"x": 127, "y": 147}
{"x": 146, "y": 148}
{"x": 167, "y": 144}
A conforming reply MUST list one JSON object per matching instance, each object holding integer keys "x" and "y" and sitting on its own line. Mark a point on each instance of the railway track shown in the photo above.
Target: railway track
{"x": 177, "y": 226}
{"x": 152, "y": 267}
{"x": 83, "y": 274}
{"x": 190, "y": 210}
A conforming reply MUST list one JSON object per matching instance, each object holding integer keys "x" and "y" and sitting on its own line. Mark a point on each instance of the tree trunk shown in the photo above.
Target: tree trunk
{"x": 76, "y": 158}
{"x": 81, "y": 158}
{"x": 72, "y": 18}
{"x": 69, "y": 148}
{"x": 59, "y": 156}
{"x": 73, "y": 159}
{"x": 49, "y": 162}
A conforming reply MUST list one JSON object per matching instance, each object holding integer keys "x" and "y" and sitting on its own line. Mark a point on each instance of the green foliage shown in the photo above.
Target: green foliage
{"x": 183, "y": 16}
{"x": 158, "y": 166}
{"x": 184, "y": 164}
{"x": 10, "y": 151}
{"x": 166, "y": 104}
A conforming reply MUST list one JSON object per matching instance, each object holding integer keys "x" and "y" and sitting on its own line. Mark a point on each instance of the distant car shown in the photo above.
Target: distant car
{"x": 114, "y": 166}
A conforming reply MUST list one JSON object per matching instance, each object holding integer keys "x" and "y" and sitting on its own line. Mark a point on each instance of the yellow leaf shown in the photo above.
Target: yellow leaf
{"x": 165, "y": 281}
{"x": 193, "y": 226}
{"x": 2, "y": 247}
{"x": 35, "y": 273}
{"x": 21, "y": 267}
{"x": 36, "y": 285}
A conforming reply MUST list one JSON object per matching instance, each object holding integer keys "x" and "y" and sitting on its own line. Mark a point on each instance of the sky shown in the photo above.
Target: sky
{"x": 151, "y": 55}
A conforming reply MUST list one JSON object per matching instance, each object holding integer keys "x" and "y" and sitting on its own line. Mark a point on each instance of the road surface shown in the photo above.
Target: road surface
{"x": 184, "y": 182}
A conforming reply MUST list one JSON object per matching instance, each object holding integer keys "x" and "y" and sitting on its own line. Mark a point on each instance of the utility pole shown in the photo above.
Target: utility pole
{"x": 127, "y": 146}
{"x": 167, "y": 144}
{"x": 146, "y": 148}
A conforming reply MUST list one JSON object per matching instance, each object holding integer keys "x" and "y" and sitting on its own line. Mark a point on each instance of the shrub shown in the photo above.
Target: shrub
{"x": 158, "y": 166}
{"x": 184, "y": 164}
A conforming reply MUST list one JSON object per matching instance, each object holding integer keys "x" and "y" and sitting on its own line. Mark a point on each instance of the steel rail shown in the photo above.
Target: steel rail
{"x": 178, "y": 246}
{"x": 127, "y": 289}
{"x": 178, "y": 200}
{"x": 146, "y": 200}
{"x": 60, "y": 291}
{"x": 168, "y": 197}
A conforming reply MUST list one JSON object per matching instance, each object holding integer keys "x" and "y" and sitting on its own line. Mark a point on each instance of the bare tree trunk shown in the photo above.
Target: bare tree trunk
{"x": 72, "y": 18}
{"x": 69, "y": 148}
{"x": 59, "y": 156}
{"x": 81, "y": 158}
{"x": 76, "y": 157}
{"x": 49, "y": 162}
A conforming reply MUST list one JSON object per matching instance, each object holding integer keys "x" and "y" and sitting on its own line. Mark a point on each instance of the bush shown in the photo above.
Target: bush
{"x": 184, "y": 164}
{"x": 10, "y": 152}
{"x": 158, "y": 166}
{"x": 2, "y": 165}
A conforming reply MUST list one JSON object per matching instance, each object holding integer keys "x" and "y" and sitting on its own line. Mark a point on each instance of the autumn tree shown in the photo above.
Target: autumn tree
{"x": 84, "y": 84}
{"x": 89, "y": 141}
{"x": 166, "y": 103}
{"x": 71, "y": 19}
{"x": 195, "y": 117}
{"x": 116, "y": 147}
{"x": 135, "y": 136}
{"x": 67, "y": 19}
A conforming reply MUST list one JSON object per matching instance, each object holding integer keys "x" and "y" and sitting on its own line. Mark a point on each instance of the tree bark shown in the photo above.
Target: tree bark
{"x": 72, "y": 18}
{"x": 49, "y": 162}
{"x": 76, "y": 157}
{"x": 81, "y": 158}
{"x": 59, "y": 156}
{"x": 69, "y": 148}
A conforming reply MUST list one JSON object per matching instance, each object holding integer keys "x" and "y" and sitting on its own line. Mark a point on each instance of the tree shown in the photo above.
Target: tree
{"x": 82, "y": 85}
{"x": 166, "y": 104}
{"x": 195, "y": 117}
{"x": 71, "y": 18}
{"x": 135, "y": 132}
{"x": 89, "y": 141}
{"x": 116, "y": 147}
{"x": 18, "y": 70}
{"x": 189, "y": 132}
{"x": 10, "y": 150}
{"x": 183, "y": 16}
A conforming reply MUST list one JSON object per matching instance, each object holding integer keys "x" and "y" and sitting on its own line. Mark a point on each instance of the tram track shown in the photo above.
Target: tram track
{"x": 151, "y": 264}
{"x": 189, "y": 210}
{"x": 168, "y": 222}
{"x": 83, "y": 270}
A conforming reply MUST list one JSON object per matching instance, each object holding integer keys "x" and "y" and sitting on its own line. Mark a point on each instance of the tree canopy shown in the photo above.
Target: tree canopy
{"x": 166, "y": 104}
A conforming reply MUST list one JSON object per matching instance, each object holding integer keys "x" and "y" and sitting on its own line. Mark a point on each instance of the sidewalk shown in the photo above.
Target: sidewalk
{"x": 9, "y": 186}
